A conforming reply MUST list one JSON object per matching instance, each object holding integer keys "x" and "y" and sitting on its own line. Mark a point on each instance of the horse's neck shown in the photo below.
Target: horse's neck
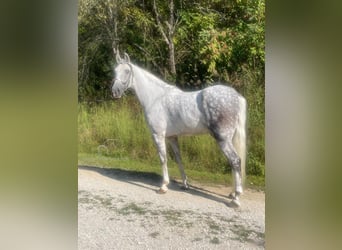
{"x": 148, "y": 88}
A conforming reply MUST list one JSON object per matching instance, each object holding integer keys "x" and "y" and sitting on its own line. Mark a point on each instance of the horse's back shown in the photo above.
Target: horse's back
{"x": 220, "y": 91}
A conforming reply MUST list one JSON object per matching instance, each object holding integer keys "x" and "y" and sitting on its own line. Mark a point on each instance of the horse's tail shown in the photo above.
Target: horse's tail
{"x": 239, "y": 139}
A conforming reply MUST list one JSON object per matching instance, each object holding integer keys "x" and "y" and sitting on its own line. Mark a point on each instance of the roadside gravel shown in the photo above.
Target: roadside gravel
{"x": 120, "y": 209}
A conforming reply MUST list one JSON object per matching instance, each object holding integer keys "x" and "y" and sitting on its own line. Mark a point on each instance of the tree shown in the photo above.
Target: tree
{"x": 192, "y": 43}
{"x": 168, "y": 32}
{"x": 206, "y": 41}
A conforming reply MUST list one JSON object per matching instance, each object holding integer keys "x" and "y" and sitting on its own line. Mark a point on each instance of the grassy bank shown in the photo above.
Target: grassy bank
{"x": 114, "y": 134}
{"x": 86, "y": 159}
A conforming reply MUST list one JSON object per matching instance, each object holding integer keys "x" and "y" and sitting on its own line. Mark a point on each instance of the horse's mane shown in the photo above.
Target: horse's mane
{"x": 153, "y": 78}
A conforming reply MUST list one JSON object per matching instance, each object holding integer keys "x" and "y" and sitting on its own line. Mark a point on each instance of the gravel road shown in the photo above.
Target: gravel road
{"x": 120, "y": 209}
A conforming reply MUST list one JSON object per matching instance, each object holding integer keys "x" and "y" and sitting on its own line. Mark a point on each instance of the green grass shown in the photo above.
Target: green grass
{"x": 118, "y": 129}
{"x": 115, "y": 134}
{"x": 86, "y": 159}
{"x": 148, "y": 167}
{"x": 132, "y": 208}
{"x": 215, "y": 240}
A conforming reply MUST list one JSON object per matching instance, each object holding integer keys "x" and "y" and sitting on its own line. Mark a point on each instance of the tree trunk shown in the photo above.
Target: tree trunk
{"x": 172, "y": 59}
{"x": 172, "y": 27}
{"x": 168, "y": 35}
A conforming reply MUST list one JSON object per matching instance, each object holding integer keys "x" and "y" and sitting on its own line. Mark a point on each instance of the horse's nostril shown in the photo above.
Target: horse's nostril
{"x": 116, "y": 93}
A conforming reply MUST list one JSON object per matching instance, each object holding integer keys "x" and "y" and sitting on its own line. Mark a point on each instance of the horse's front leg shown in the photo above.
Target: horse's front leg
{"x": 161, "y": 147}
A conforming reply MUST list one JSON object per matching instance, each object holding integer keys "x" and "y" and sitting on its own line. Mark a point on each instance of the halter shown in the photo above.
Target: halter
{"x": 129, "y": 79}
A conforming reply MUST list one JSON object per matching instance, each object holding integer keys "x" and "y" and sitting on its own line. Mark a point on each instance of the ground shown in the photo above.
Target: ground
{"x": 121, "y": 209}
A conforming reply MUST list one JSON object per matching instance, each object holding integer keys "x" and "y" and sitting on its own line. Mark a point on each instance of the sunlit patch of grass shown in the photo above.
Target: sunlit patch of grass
{"x": 132, "y": 208}
{"x": 143, "y": 166}
{"x": 117, "y": 130}
{"x": 215, "y": 240}
{"x": 243, "y": 234}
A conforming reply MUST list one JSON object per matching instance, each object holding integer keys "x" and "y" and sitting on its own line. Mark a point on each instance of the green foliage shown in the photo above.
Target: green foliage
{"x": 216, "y": 40}
{"x": 221, "y": 41}
{"x": 115, "y": 129}
{"x": 118, "y": 129}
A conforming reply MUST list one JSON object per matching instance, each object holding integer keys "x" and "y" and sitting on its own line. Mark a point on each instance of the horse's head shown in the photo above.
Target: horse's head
{"x": 123, "y": 76}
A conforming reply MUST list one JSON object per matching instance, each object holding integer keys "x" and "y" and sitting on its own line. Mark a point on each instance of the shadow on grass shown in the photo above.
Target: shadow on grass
{"x": 148, "y": 179}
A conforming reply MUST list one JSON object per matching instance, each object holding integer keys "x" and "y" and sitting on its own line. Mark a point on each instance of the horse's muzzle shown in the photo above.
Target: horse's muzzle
{"x": 116, "y": 90}
{"x": 116, "y": 93}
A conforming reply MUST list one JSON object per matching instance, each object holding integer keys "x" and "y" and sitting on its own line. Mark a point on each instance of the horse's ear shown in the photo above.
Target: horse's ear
{"x": 127, "y": 58}
{"x": 118, "y": 58}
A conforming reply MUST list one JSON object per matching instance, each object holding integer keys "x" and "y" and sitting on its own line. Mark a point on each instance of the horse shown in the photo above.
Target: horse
{"x": 170, "y": 112}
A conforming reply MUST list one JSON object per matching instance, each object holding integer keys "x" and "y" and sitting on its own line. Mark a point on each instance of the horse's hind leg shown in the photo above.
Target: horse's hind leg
{"x": 175, "y": 147}
{"x": 161, "y": 147}
{"x": 235, "y": 162}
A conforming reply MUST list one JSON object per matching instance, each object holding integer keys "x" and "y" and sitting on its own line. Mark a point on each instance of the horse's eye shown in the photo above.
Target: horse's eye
{"x": 126, "y": 71}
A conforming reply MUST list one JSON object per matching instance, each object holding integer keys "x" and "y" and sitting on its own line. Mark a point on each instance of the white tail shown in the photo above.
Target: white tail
{"x": 239, "y": 139}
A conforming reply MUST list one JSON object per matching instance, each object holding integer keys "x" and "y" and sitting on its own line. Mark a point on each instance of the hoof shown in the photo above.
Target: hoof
{"x": 235, "y": 203}
{"x": 161, "y": 191}
{"x": 185, "y": 187}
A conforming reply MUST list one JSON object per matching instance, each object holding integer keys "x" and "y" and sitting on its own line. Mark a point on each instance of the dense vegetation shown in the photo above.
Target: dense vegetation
{"x": 192, "y": 44}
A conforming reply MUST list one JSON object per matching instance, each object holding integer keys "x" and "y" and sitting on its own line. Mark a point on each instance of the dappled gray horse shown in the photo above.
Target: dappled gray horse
{"x": 170, "y": 112}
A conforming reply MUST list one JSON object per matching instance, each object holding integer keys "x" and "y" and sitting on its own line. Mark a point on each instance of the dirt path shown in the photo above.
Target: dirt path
{"x": 120, "y": 209}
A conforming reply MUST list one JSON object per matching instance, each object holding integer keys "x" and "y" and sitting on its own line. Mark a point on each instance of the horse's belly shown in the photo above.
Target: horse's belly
{"x": 186, "y": 125}
{"x": 185, "y": 130}
{"x": 194, "y": 130}
{"x": 183, "y": 115}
